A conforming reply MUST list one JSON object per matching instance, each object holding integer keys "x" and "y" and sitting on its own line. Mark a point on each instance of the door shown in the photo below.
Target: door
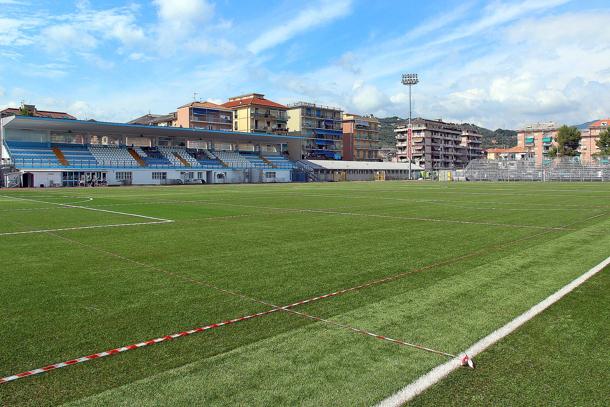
{"x": 27, "y": 180}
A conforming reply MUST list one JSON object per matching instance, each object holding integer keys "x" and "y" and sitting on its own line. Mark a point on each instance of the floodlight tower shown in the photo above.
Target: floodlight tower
{"x": 410, "y": 79}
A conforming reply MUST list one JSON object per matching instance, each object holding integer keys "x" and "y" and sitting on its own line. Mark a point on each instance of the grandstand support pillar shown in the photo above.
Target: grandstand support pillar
{"x": 295, "y": 150}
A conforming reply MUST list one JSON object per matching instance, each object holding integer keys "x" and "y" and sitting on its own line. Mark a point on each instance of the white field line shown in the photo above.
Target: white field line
{"x": 26, "y": 232}
{"x": 154, "y": 221}
{"x": 371, "y": 215}
{"x": 440, "y": 372}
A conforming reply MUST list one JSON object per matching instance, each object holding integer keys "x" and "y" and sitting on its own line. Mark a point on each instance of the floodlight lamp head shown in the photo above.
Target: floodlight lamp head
{"x": 410, "y": 79}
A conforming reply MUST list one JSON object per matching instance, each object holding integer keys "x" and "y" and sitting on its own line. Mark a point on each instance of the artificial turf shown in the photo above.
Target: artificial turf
{"x": 471, "y": 257}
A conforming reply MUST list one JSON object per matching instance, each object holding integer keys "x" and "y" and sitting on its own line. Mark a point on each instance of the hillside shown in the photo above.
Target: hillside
{"x": 491, "y": 138}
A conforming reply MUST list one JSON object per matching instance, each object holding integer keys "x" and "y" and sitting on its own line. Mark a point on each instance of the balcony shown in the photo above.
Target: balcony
{"x": 268, "y": 115}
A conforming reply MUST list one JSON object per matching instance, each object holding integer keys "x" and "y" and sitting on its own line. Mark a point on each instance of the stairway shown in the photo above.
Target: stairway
{"x": 268, "y": 162}
{"x": 182, "y": 160}
{"x": 136, "y": 157}
{"x": 60, "y": 156}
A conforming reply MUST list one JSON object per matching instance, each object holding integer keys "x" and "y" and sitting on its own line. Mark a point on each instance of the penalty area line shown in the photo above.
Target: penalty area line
{"x": 440, "y": 372}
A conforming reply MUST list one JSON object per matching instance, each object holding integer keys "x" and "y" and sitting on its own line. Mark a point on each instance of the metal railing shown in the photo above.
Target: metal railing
{"x": 44, "y": 163}
{"x": 565, "y": 169}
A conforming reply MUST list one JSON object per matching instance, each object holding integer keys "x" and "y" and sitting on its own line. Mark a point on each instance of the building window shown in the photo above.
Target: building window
{"x": 270, "y": 175}
{"x": 123, "y": 176}
{"x": 159, "y": 175}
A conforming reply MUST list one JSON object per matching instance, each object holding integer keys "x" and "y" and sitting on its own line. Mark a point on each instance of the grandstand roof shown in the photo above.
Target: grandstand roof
{"x": 93, "y": 127}
{"x": 361, "y": 165}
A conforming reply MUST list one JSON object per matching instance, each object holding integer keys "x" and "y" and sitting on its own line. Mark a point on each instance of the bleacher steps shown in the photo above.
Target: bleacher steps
{"x": 268, "y": 162}
{"x": 60, "y": 156}
{"x": 136, "y": 157}
{"x": 182, "y": 160}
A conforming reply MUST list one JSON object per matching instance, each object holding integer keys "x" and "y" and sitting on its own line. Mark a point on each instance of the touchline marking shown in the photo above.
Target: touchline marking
{"x": 440, "y": 372}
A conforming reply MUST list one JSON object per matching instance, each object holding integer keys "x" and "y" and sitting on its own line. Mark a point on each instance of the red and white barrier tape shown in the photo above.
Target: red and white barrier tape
{"x": 132, "y": 347}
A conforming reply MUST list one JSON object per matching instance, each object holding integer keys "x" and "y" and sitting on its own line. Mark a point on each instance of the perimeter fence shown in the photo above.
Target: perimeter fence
{"x": 561, "y": 169}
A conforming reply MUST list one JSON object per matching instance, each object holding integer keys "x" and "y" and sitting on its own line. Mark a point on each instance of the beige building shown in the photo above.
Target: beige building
{"x": 322, "y": 128}
{"x": 513, "y": 153}
{"x": 361, "y": 138}
{"x": 471, "y": 140}
{"x": 252, "y": 113}
{"x": 433, "y": 144}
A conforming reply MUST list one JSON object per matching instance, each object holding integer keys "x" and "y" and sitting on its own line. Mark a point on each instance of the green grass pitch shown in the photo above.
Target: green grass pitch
{"x": 471, "y": 256}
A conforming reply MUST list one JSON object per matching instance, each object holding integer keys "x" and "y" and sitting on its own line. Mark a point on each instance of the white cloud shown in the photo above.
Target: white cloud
{"x": 67, "y": 36}
{"x": 368, "y": 98}
{"x": 178, "y": 19}
{"x": 308, "y": 18}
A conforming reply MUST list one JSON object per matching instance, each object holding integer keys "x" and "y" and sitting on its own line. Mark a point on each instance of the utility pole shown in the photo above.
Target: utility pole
{"x": 410, "y": 79}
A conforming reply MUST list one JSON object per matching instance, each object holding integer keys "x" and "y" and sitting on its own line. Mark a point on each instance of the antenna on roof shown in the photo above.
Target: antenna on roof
{"x": 195, "y": 94}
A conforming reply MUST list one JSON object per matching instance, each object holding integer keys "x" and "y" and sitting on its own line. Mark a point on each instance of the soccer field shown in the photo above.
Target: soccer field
{"x": 318, "y": 270}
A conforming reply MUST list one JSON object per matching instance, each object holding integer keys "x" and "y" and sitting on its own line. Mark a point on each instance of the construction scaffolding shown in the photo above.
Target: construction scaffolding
{"x": 563, "y": 169}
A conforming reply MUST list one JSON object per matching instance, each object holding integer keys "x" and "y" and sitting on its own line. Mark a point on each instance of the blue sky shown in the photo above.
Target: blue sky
{"x": 494, "y": 63}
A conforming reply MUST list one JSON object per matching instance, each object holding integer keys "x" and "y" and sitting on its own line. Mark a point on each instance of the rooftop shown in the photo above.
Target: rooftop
{"x": 253, "y": 99}
{"x": 103, "y": 128}
{"x": 362, "y": 165}
{"x": 600, "y": 123}
{"x": 33, "y": 112}
{"x": 206, "y": 105}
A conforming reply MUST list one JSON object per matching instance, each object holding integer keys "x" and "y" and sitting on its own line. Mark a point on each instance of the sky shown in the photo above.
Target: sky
{"x": 498, "y": 64}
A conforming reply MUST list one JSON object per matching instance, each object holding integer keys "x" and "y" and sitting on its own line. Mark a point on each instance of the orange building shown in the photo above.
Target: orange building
{"x": 204, "y": 115}
{"x": 537, "y": 139}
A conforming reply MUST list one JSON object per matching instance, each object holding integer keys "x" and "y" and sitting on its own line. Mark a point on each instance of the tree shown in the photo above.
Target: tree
{"x": 568, "y": 141}
{"x": 603, "y": 144}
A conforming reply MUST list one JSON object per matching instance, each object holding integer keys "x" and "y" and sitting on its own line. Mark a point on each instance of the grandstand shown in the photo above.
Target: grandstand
{"x": 55, "y": 152}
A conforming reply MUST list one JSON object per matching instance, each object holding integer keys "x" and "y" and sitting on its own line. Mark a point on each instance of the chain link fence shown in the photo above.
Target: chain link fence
{"x": 561, "y": 169}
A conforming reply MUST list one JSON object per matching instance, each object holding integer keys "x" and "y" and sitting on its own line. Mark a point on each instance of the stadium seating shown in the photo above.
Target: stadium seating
{"x": 32, "y": 154}
{"x": 77, "y": 155}
{"x": 154, "y": 158}
{"x": 111, "y": 155}
{"x": 170, "y": 154}
{"x": 233, "y": 159}
{"x": 279, "y": 161}
{"x": 255, "y": 160}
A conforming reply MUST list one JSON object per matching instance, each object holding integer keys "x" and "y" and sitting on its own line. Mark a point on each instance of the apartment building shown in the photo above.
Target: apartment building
{"x": 322, "y": 126}
{"x": 471, "y": 140}
{"x": 252, "y": 113}
{"x": 537, "y": 139}
{"x": 204, "y": 115}
{"x": 361, "y": 138}
{"x": 432, "y": 144}
{"x": 588, "y": 143}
